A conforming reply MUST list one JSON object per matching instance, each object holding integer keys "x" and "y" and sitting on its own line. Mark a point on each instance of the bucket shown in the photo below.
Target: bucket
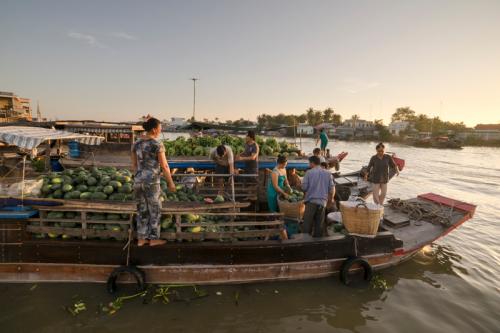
{"x": 292, "y": 226}
{"x": 74, "y": 149}
{"x": 55, "y": 165}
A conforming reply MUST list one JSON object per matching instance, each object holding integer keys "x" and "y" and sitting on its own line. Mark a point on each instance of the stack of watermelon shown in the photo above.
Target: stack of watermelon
{"x": 95, "y": 184}
{"x": 201, "y": 146}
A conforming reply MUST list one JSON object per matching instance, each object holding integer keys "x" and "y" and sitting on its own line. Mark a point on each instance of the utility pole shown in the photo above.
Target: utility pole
{"x": 194, "y": 96}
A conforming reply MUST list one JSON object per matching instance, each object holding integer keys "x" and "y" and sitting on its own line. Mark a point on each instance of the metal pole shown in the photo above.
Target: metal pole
{"x": 22, "y": 183}
{"x": 194, "y": 96}
{"x": 232, "y": 192}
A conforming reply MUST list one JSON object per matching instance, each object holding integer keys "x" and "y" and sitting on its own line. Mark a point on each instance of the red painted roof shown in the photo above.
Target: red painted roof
{"x": 487, "y": 127}
{"x": 460, "y": 205}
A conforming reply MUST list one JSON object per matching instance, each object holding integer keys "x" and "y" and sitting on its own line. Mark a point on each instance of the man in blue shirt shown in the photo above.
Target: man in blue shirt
{"x": 319, "y": 191}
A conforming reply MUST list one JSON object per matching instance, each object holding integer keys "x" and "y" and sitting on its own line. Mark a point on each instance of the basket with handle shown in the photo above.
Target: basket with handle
{"x": 360, "y": 217}
{"x": 292, "y": 209}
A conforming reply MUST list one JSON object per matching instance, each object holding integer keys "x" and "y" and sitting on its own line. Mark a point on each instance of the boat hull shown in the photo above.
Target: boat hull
{"x": 191, "y": 274}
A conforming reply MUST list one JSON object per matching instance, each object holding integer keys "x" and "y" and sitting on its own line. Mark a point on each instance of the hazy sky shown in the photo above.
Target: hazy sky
{"x": 118, "y": 60}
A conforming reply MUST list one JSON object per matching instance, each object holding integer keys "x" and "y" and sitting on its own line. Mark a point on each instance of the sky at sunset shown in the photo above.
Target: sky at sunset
{"x": 118, "y": 60}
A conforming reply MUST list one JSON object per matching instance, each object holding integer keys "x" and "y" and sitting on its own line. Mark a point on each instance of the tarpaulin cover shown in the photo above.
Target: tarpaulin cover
{"x": 31, "y": 137}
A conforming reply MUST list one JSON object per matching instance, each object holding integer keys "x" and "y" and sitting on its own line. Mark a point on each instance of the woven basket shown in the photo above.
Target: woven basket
{"x": 292, "y": 209}
{"x": 360, "y": 218}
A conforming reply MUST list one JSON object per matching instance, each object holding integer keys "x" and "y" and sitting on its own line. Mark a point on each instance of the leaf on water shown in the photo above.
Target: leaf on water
{"x": 236, "y": 298}
{"x": 33, "y": 287}
{"x": 379, "y": 282}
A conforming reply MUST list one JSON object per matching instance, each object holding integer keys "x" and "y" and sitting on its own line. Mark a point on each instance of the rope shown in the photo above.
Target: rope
{"x": 423, "y": 211}
{"x": 127, "y": 245}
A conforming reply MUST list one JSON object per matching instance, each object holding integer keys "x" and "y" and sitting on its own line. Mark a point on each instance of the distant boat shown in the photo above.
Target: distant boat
{"x": 441, "y": 142}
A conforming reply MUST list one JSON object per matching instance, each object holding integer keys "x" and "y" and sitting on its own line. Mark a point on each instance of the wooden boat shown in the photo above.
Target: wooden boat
{"x": 187, "y": 259}
{"x": 352, "y": 184}
{"x": 442, "y": 142}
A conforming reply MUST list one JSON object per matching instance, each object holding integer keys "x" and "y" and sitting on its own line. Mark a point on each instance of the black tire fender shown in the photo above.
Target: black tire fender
{"x": 137, "y": 274}
{"x": 346, "y": 266}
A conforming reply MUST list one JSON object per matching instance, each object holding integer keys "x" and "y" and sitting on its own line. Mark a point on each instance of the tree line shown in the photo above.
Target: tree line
{"x": 423, "y": 123}
{"x": 311, "y": 116}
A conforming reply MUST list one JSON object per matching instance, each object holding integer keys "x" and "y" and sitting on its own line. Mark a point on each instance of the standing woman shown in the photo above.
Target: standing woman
{"x": 323, "y": 138}
{"x": 277, "y": 184}
{"x": 378, "y": 171}
{"x": 148, "y": 160}
{"x": 250, "y": 155}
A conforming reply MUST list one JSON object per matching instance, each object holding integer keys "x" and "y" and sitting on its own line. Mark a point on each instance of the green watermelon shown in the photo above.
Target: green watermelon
{"x": 98, "y": 196}
{"x": 58, "y": 194}
{"x": 67, "y": 188}
{"x": 127, "y": 188}
{"x": 56, "y": 180}
{"x": 80, "y": 179}
{"x": 82, "y": 188}
{"x": 117, "y": 197}
{"x": 108, "y": 189}
{"x": 112, "y": 216}
{"x": 105, "y": 180}
{"x": 91, "y": 181}
{"x": 86, "y": 195}
{"x": 75, "y": 194}
{"x": 55, "y": 215}
{"x": 70, "y": 215}
{"x": 46, "y": 188}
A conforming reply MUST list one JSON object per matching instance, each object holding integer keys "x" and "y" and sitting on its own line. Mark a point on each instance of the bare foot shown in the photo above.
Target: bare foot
{"x": 142, "y": 242}
{"x": 156, "y": 242}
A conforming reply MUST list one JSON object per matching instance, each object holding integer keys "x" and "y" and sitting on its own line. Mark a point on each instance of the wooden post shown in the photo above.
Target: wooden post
{"x": 47, "y": 156}
{"x": 84, "y": 224}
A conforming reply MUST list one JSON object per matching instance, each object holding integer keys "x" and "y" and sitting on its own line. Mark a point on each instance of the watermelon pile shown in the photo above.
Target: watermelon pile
{"x": 63, "y": 220}
{"x": 95, "y": 184}
{"x": 198, "y": 221}
{"x": 106, "y": 183}
{"x": 295, "y": 196}
{"x": 201, "y": 146}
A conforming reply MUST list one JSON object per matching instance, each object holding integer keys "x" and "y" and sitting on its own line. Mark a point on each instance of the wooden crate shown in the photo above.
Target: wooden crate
{"x": 260, "y": 225}
{"x": 84, "y": 230}
{"x": 243, "y": 191}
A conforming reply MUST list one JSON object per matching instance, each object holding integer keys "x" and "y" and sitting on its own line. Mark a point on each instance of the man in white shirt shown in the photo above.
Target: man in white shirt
{"x": 224, "y": 162}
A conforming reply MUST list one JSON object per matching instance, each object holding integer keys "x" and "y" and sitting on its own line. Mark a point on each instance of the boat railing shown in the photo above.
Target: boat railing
{"x": 114, "y": 223}
{"x": 232, "y": 186}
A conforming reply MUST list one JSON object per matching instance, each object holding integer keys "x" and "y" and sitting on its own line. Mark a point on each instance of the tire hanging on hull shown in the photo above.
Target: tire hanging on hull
{"x": 346, "y": 266}
{"x": 137, "y": 274}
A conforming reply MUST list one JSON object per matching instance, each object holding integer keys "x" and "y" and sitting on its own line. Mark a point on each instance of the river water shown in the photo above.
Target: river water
{"x": 451, "y": 286}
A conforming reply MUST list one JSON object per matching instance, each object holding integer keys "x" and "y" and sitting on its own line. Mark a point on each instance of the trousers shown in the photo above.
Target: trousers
{"x": 148, "y": 210}
{"x": 314, "y": 217}
{"x": 379, "y": 193}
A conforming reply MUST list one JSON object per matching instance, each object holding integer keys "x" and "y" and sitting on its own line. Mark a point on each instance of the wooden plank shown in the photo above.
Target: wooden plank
{"x": 77, "y": 232}
{"x": 108, "y": 221}
{"x": 233, "y": 224}
{"x": 396, "y": 219}
{"x": 46, "y": 220}
{"x": 228, "y": 235}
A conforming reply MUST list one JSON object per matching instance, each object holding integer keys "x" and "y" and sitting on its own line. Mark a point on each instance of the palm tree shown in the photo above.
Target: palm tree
{"x": 310, "y": 116}
{"x": 337, "y": 119}
{"x": 327, "y": 115}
